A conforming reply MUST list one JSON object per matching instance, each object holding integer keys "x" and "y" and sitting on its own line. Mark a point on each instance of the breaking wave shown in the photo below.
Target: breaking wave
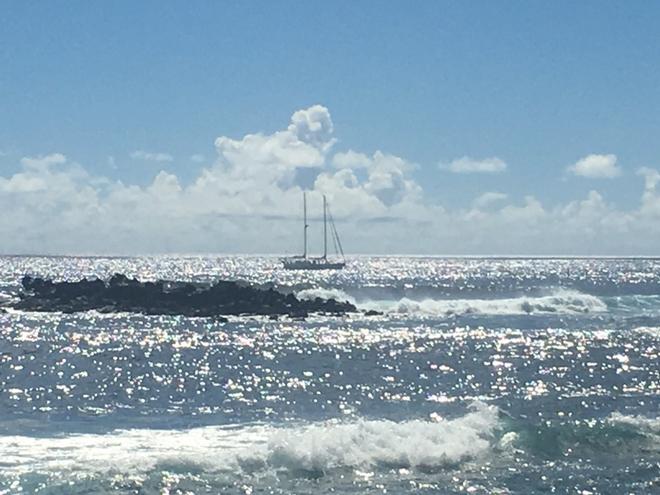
{"x": 336, "y": 294}
{"x": 642, "y": 424}
{"x": 413, "y": 443}
{"x": 310, "y": 450}
{"x": 650, "y": 331}
{"x": 561, "y": 301}
{"x": 6, "y": 297}
{"x": 320, "y": 449}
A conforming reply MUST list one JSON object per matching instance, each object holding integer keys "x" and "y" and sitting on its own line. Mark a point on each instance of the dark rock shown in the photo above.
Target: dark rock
{"x": 299, "y": 314}
{"x": 373, "y": 312}
{"x": 123, "y": 294}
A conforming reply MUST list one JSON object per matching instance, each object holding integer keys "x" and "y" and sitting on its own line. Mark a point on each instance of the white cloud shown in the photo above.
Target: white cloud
{"x": 228, "y": 207}
{"x": 596, "y": 167}
{"x": 488, "y": 198}
{"x": 650, "y": 199}
{"x": 274, "y": 159}
{"x": 467, "y": 165}
{"x": 351, "y": 159}
{"x": 249, "y": 199}
{"x": 386, "y": 179}
{"x": 313, "y": 125}
{"x": 151, "y": 157}
{"x": 34, "y": 177}
{"x": 43, "y": 162}
{"x": 651, "y": 178}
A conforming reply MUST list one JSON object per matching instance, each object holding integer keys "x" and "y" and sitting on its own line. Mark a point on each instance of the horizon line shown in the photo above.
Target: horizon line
{"x": 355, "y": 255}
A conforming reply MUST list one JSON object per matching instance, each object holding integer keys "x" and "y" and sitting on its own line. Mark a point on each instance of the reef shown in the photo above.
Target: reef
{"x": 163, "y": 297}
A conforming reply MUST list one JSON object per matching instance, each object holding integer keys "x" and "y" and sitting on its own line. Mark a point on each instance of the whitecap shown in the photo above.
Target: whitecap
{"x": 643, "y": 424}
{"x": 561, "y": 302}
{"x": 317, "y": 447}
{"x": 323, "y": 293}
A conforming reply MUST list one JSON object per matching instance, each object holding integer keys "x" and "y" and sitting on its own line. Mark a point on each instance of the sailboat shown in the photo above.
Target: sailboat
{"x": 304, "y": 262}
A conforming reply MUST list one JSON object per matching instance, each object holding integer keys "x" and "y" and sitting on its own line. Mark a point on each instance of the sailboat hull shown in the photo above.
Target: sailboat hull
{"x": 311, "y": 264}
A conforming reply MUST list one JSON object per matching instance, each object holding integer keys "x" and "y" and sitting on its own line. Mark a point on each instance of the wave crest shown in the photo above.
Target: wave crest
{"x": 318, "y": 449}
{"x": 563, "y": 302}
{"x": 642, "y": 424}
{"x": 416, "y": 443}
{"x": 323, "y": 293}
{"x": 311, "y": 449}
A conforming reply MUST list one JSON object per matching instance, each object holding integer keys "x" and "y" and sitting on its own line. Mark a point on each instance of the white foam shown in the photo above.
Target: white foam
{"x": 336, "y": 294}
{"x": 6, "y": 297}
{"x": 363, "y": 444}
{"x": 563, "y": 302}
{"x": 650, "y": 331}
{"x": 315, "y": 447}
{"x": 129, "y": 451}
{"x": 640, "y": 423}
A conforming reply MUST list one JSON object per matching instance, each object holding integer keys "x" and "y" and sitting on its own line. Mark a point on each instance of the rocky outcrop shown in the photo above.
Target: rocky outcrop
{"x": 123, "y": 294}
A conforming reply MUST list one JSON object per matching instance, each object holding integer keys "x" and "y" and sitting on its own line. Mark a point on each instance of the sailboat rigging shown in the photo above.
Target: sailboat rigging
{"x": 304, "y": 262}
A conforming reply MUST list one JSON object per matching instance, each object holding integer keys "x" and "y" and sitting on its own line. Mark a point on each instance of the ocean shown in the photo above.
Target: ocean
{"x": 481, "y": 376}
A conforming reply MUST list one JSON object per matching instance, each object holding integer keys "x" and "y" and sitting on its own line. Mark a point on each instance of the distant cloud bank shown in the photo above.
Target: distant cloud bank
{"x": 248, "y": 199}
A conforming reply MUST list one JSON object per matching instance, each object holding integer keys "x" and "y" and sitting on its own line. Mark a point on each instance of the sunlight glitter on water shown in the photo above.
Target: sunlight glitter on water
{"x": 565, "y": 350}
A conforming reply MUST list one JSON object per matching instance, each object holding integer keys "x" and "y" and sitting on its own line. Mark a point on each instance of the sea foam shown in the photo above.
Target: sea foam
{"x": 323, "y": 293}
{"x": 317, "y": 447}
{"x": 415, "y": 443}
{"x": 642, "y": 424}
{"x": 562, "y": 301}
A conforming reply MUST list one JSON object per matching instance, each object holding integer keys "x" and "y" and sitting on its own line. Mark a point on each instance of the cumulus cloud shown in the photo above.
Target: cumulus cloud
{"x": 650, "y": 199}
{"x": 651, "y": 178}
{"x": 313, "y": 125}
{"x": 151, "y": 157}
{"x": 36, "y": 175}
{"x": 351, "y": 159}
{"x": 488, "y": 198}
{"x": 248, "y": 199}
{"x": 467, "y": 165}
{"x": 386, "y": 178}
{"x": 596, "y": 167}
{"x": 43, "y": 162}
{"x": 266, "y": 161}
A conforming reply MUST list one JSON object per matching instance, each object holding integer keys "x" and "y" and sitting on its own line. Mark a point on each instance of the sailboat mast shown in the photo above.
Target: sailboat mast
{"x": 325, "y": 229}
{"x": 305, "y": 225}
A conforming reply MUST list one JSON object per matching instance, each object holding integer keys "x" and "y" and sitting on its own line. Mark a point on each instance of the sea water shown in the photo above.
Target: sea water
{"x": 480, "y": 376}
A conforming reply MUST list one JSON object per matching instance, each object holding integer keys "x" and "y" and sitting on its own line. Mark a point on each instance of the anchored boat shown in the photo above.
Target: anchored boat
{"x": 304, "y": 262}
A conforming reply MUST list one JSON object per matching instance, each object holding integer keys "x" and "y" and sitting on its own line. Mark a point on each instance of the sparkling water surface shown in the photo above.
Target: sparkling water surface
{"x": 480, "y": 376}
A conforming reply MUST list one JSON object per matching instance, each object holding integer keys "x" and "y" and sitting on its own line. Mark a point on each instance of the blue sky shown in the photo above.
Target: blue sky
{"x": 538, "y": 85}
